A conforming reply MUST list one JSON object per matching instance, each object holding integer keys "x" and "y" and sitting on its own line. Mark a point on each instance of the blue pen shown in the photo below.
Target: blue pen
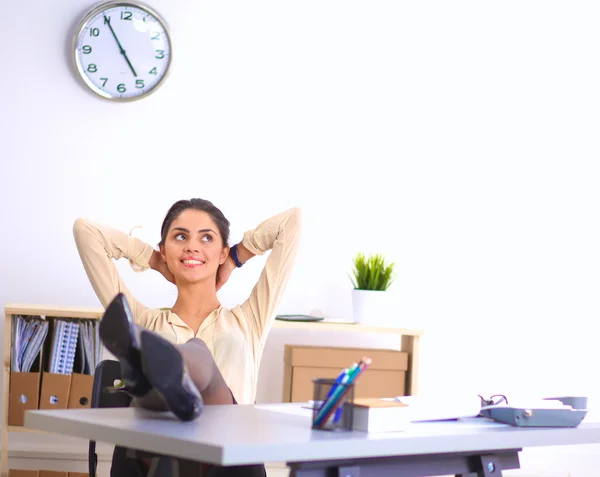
{"x": 338, "y": 411}
{"x": 330, "y": 402}
{"x": 328, "y": 405}
{"x": 338, "y": 380}
{"x": 351, "y": 375}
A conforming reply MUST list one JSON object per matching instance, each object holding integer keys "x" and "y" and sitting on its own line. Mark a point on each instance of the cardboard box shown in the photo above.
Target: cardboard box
{"x": 55, "y": 391}
{"x": 53, "y": 473}
{"x": 385, "y": 377}
{"x": 23, "y": 395}
{"x": 80, "y": 394}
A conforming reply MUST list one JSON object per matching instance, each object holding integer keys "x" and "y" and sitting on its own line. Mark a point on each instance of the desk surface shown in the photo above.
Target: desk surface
{"x": 246, "y": 434}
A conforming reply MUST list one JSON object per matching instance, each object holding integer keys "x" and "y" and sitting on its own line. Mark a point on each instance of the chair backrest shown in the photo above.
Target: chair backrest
{"x": 103, "y": 395}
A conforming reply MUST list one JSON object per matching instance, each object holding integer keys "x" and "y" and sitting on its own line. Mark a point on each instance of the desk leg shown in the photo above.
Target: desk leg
{"x": 487, "y": 466}
{"x": 484, "y": 464}
{"x": 410, "y": 344}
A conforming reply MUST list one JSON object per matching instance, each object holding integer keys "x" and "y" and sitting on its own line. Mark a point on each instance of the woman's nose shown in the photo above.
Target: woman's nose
{"x": 191, "y": 247}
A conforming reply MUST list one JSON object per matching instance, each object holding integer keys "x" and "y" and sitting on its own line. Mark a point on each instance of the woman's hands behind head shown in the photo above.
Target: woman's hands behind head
{"x": 156, "y": 263}
{"x": 224, "y": 271}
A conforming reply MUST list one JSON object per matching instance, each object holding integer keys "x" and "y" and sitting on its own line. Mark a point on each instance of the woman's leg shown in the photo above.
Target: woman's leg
{"x": 204, "y": 372}
{"x": 161, "y": 361}
{"x": 151, "y": 365}
{"x": 182, "y": 377}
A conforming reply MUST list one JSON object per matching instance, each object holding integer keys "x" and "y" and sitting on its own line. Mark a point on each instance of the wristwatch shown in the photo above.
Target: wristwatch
{"x": 234, "y": 254}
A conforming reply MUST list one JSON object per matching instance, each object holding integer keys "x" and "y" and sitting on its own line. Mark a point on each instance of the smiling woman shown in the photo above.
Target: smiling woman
{"x": 194, "y": 254}
{"x": 196, "y": 232}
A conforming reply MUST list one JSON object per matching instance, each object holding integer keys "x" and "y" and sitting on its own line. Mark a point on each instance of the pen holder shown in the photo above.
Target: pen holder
{"x": 332, "y": 405}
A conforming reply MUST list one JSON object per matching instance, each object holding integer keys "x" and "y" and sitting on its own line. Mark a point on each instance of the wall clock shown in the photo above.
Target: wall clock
{"x": 122, "y": 50}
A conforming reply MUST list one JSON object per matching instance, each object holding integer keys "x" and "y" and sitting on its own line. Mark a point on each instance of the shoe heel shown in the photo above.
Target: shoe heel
{"x": 116, "y": 330}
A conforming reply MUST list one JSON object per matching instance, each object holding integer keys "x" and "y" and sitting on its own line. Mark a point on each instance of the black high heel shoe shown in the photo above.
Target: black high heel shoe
{"x": 119, "y": 334}
{"x": 164, "y": 367}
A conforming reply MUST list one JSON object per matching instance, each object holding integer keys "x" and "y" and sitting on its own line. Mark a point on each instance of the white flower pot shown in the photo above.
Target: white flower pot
{"x": 372, "y": 307}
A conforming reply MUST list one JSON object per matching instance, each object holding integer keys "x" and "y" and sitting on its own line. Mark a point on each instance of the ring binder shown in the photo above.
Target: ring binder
{"x": 56, "y": 378}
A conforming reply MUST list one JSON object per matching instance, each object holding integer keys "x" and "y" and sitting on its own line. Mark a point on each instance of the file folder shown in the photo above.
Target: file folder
{"x": 23, "y": 395}
{"x": 82, "y": 381}
{"x": 55, "y": 391}
{"x": 80, "y": 394}
{"x": 55, "y": 383}
{"x": 28, "y": 334}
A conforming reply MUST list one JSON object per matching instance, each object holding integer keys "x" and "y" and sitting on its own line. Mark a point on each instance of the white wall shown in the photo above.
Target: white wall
{"x": 459, "y": 138}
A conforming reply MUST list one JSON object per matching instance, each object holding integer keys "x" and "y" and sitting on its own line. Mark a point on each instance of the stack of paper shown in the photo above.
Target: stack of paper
{"x": 90, "y": 347}
{"x": 28, "y": 335}
{"x": 395, "y": 414}
{"x": 439, "y": 408}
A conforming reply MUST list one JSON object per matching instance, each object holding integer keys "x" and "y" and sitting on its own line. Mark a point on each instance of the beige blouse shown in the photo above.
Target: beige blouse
{"x": 235, "y": 337}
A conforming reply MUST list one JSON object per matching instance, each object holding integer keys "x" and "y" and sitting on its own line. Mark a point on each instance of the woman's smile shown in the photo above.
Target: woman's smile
{"x": 192, "y": 262}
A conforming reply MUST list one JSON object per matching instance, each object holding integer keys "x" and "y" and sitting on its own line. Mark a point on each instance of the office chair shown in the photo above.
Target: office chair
{"x": 107, "y": 372}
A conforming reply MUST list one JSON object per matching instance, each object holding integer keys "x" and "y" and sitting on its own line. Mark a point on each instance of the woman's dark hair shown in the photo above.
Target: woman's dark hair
{"x": 197, "y": 204}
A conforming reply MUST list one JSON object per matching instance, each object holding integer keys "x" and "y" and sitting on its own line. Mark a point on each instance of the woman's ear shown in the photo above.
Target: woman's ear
{"x": 162, "y": 253}
{"x": 224, "y": 255}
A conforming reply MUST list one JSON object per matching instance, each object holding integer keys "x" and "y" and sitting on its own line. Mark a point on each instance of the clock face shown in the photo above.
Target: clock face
{"x": 122, "y": 50}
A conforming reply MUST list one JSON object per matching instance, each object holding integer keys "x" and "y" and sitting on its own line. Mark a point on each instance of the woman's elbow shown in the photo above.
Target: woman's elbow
{"x": 80, "y": 228}
{"x": 294, "y": 221}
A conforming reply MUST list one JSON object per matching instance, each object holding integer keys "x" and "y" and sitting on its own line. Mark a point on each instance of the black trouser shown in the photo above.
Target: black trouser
{"x": 126, "y": 464}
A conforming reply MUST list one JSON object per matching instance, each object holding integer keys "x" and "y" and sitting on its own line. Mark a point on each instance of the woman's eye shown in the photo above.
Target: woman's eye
{"x": 180, "y": 237}
{"x": 207, "y": 238}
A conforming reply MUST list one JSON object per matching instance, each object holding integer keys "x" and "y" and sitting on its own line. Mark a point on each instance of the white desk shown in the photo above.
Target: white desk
{"x": 246, "y": 434}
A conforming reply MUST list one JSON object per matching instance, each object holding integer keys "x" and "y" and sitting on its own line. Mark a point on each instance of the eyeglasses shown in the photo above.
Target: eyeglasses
{"x": 493, "y": 400}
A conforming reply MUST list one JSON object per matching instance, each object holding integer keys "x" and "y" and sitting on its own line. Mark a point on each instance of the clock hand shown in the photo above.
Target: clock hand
{"x": 107, "y": 20}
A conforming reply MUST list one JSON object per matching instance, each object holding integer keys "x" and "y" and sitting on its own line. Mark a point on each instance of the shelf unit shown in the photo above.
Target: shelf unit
{"x": 31, "y": 310}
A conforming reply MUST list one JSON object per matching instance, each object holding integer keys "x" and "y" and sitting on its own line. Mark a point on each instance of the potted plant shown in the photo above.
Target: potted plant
{"x": 371, "y": 277}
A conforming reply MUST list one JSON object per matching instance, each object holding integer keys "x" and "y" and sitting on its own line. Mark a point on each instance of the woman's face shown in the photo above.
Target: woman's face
{"x": 193, "y": 248}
